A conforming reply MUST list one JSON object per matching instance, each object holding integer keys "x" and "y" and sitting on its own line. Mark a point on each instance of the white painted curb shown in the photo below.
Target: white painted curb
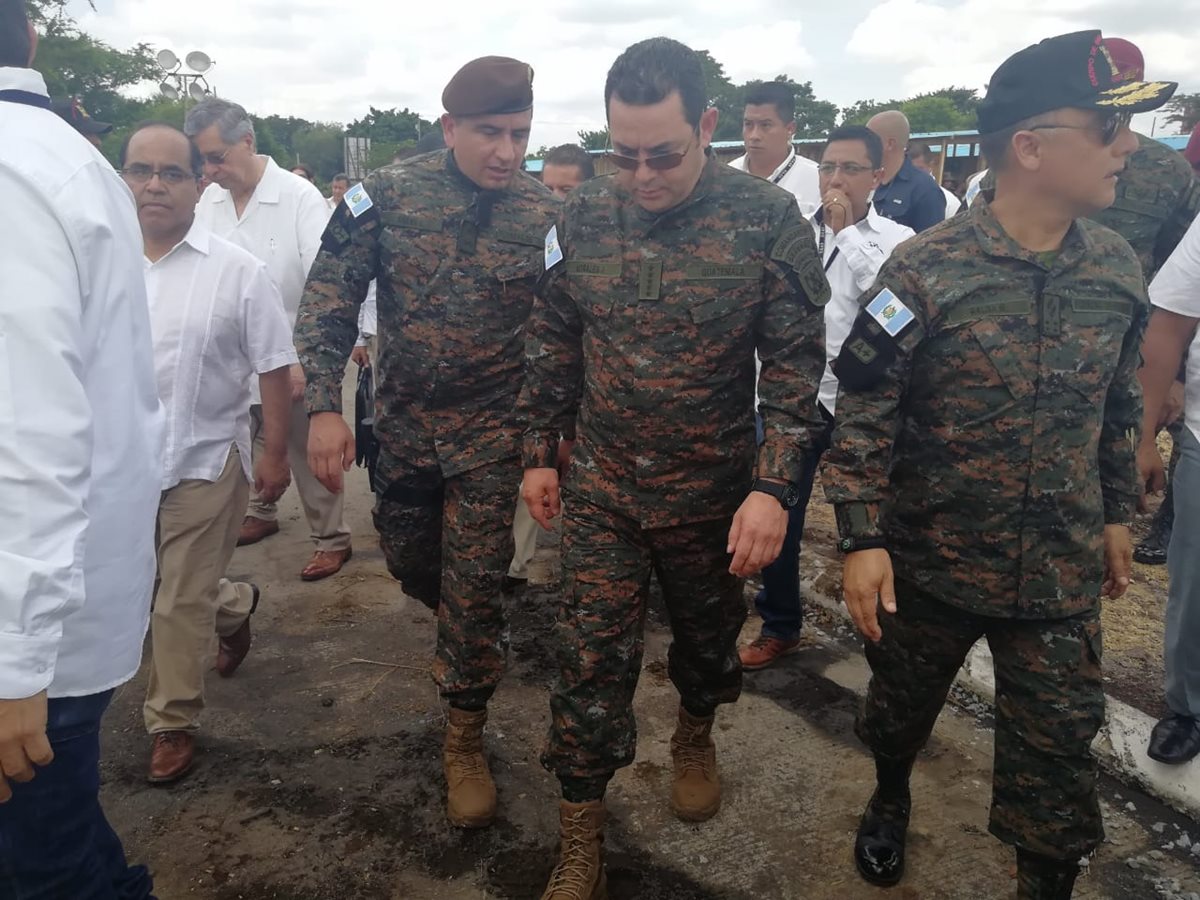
{"x": 1120, "y": 746}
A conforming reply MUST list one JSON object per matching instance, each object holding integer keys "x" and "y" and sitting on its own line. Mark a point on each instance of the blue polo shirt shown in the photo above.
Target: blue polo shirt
{"x": 912, "y": 198}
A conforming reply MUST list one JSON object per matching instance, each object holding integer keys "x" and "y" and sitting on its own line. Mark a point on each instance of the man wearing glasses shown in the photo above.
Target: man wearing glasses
{"x": 217, "y": 320}
{"x": 660, "y": 284}
{"x": 853, "y": 241}
{"x": 453, "y": 239}
{"x": 983, "y": 462}
{"x": 279, "y": 217}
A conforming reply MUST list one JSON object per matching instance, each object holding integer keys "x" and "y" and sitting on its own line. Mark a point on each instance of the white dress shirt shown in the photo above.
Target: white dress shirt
{"x": 1176, "y": 288}
{"x": 217, "y": 319}
{"x": 367, "y": 316}
{"x": 282, "y": 225}
{"x": 798, "y": 176}
{"x": 80, "y": 421}
{"x": 861, "y": 250}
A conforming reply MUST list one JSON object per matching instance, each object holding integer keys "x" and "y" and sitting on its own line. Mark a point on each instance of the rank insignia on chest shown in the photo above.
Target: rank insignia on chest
{"x": 891, "y": 314}
{"x": 357, "y": 200}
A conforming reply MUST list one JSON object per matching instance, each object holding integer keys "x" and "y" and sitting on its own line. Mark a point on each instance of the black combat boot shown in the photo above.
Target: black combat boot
{"x": 879, "y": 847}
{"x": 1153, "y": 550}
{"x": 1042, "y": 878}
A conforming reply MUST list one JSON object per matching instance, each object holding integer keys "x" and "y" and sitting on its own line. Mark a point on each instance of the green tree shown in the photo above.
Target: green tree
{"x": 75, "y": 64}
{"x": 594, "y": 140}
{"x": 948, "y": 109}
{"x": 394, "y": 126}
{"x": 1183, "y": 111}
{"x": 321, "y": 147}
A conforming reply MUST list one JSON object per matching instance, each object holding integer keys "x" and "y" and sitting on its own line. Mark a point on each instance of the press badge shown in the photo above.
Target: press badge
{"x": 554, "y": 254}
{"x": 357, "y": 200}
{"x": 892, "y": 315}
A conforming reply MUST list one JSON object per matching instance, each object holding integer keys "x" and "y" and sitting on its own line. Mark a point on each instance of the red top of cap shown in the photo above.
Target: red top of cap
{"x": 1127, "y": 58}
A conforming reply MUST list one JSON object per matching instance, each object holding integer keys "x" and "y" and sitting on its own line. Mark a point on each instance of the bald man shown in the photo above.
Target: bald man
{"x": 907, "y": 195}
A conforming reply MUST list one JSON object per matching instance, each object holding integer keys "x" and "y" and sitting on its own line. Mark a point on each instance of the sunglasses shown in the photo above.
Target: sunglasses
{"x": 1108, "y": 129}
{"x": 661, "y": 163}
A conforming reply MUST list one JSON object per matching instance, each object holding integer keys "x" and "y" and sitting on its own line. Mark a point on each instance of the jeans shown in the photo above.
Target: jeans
{"x": 1182, "y": 644}
{"x": 55, "y": 843}
{"x": 778, "y": 603}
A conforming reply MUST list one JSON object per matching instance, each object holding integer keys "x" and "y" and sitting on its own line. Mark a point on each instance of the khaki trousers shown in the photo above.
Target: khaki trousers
{"x": 324, "y": 511}
{"x": 525, "y": 531}
{"x": 198, "y": 524}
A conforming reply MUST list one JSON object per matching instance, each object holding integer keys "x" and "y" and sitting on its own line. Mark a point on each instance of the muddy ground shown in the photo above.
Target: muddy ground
{"x": 319, "y": 776}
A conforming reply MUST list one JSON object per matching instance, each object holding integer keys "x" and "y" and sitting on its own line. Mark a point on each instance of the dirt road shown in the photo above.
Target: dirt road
{"x": 320, "y": 774}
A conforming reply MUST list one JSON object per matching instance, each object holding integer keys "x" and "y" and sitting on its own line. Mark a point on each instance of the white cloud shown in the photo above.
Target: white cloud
{"x": 331, "y": 62}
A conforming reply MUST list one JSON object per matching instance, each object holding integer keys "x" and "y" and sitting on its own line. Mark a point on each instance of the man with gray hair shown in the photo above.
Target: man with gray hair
{"x": 279, "y": 217}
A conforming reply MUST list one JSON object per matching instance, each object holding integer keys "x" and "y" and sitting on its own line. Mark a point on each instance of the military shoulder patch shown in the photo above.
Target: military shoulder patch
{"x": 357, "y": 200}
{"x": 554, "y": 253}
{"x": 790, "y": 246}
{"x": 890, "y": 313}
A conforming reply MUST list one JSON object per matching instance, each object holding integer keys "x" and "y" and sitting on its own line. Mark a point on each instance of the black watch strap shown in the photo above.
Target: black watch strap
{"x": 851, "y": 544}
{"x": 786, "y": 493}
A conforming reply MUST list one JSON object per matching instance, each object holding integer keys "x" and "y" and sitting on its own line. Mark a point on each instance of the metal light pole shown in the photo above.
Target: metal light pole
{"x": 181, "y": 85}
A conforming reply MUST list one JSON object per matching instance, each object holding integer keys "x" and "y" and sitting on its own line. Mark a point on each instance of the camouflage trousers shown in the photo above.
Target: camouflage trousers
{"x": 450, "y": 549}
{"x": 1049, "y": 706}
{"x": 607, "y": 562}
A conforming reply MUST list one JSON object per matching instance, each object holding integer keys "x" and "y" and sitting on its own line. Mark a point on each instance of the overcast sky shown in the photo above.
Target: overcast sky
{"x": 330, "y": 61}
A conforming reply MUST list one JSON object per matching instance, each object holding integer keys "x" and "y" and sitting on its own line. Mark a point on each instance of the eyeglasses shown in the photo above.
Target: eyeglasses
{"x": 851, "y": 169}
{"x": 1109, "y": 128}
{"x": 141, "y": 174}
{"x": 661, "y": 163}
{"x": 217, "y": 159}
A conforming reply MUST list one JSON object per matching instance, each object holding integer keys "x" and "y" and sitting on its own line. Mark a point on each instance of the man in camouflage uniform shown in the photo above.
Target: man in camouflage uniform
{"x": 453, "y": 239}
{"x": 661, "y": 282}
{"x": 984, "y": 448}
{"x": 1157, "y": 199}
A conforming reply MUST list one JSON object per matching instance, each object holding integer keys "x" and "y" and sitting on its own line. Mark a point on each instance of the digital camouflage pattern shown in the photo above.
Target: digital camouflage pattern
{"x": 646, "y": 333}
{"x": 607, "y": 561}
{"x": 455, "y": 268}
{"x": 1157, "y": 199}
{"x": 993, "y": 439}
{"x": 1049, "y": 707}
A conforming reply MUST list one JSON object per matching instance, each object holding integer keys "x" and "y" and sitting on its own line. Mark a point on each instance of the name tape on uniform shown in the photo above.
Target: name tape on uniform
{"x": 357, "y": 200}
{"x": 554, "y": 252}
{"x": 890, "y": 313}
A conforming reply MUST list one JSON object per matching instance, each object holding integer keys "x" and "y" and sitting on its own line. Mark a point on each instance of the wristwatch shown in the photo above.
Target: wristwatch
{"x": 787, "y": 493}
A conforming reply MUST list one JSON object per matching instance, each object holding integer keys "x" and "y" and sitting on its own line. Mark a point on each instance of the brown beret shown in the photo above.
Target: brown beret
{"x": 490, "y": 86}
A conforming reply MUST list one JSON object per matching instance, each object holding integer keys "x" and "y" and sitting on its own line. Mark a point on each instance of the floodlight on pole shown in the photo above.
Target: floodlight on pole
{"x": 189, "y": 85}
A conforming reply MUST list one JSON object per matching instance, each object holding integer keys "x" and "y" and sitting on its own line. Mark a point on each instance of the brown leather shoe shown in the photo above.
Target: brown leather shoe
{"x": 763, "y": 651}
{"x": 325, "y": 563}
{"x": 254, "y": 530}
{"x": 171, "y": 756}
{"x": 231, "y": 650}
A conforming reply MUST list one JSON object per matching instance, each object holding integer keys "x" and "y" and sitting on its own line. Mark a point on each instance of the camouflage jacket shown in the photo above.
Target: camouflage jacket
{"x": 647, "y": 330}
{"x": 1157, "y": 198}
{"x": 989, "y": 412}
{"x": 456, "y": 269}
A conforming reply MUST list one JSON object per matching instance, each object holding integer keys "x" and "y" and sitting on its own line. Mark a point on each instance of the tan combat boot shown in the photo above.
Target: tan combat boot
{"x": 579, "y": 874}
{"x": 696, "y": 791}
{"x": 471, "y": 793}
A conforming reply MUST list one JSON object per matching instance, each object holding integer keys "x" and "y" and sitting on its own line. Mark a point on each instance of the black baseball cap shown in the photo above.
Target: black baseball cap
{"x": 72, "y": 111}
{"x": 1075, "y": 70}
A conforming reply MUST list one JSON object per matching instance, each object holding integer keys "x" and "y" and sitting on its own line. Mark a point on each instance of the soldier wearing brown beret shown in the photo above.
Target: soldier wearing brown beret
{"x": 454, "y": 239}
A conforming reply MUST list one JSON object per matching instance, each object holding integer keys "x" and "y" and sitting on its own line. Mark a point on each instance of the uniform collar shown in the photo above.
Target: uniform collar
{"x": 995, "y": 241}
{"x": 870, "y": 222}
{"x": 28, "y": 80}
{"x": 743, "y": 163}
